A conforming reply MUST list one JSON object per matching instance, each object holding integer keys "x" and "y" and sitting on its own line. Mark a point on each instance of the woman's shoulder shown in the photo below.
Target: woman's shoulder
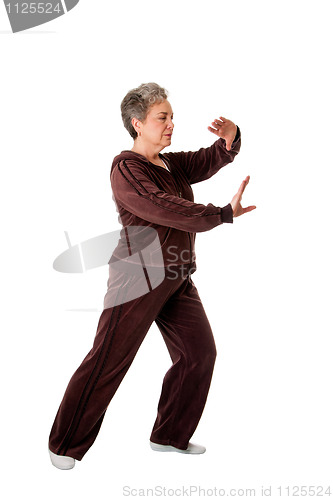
{"x": 129, "y": 157}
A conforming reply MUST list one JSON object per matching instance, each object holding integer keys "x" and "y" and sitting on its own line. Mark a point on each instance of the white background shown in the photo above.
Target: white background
{"x": 265, "y": 281}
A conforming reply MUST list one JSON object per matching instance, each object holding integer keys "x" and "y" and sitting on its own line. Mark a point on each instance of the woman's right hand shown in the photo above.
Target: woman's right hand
{"x": 235, "y": 202}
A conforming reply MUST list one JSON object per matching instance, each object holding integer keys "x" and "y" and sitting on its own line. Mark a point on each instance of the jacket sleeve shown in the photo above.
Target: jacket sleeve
{"x": 138, "y": 194}
{"x": 204, "y": 163}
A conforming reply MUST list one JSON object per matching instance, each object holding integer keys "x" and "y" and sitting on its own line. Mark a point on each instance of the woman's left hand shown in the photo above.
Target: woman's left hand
{"x": 225, "y": 129}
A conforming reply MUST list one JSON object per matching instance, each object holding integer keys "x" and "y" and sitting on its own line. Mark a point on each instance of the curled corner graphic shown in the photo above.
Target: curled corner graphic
{"x": 133, "y": 253}
{"x": 25, "y": 15}
{"x": 86, "y": 255}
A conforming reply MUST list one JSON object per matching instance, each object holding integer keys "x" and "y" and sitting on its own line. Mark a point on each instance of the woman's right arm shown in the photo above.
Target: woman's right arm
{"x": 138, "y": 194}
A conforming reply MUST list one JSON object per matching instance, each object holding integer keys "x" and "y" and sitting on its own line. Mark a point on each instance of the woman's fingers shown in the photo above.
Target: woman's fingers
{"x": 218, "y": 122}
{"x": 243, "y": 186}
{"x": 236, "y": 201}
{"x": 249, "y": 209}
{"x": 239, "y": 210}
{"x": 213, "y": 130}
{"x": 225, "y": 129}
{"x": 222, "y": 121}
{"x": 216, "y": 125}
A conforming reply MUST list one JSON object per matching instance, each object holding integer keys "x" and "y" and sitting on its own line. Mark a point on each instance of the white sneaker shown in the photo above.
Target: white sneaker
{"x": 62, "y": 462}
{"x": 194, "y": 449}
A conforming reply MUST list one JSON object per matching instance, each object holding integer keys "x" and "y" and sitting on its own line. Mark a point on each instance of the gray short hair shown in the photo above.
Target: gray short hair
{"x": 137, "y": 102}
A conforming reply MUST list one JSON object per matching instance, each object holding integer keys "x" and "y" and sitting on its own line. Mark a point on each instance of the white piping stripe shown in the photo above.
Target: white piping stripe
{"x": 64, "y": 6}
{"x": 82, "y": 259}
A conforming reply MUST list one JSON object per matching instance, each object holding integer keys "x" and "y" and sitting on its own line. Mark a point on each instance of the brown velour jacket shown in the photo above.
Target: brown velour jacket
{"x": 149, "y": 195}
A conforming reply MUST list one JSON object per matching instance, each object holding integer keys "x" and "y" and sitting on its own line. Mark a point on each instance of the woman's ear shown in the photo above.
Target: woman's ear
{"x": 136, "y": 125}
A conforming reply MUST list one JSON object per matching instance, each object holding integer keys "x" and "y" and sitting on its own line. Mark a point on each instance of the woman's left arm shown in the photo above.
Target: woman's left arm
{"x": 204, "y": 163}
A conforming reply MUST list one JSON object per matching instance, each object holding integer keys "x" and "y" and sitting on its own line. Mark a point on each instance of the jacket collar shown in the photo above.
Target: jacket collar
{"x": 131, "y": 155}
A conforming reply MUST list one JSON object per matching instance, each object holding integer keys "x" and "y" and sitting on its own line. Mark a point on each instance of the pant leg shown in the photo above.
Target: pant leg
{"x": 189, "y": 339}
{"x": 120, "y": 331}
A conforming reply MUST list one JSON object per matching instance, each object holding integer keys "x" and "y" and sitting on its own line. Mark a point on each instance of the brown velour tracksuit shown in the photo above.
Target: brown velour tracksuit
{"x": 151, "y": 196}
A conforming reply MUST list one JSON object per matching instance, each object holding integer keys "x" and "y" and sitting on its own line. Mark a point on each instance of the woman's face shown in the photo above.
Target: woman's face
{"x": 157, "y": 128}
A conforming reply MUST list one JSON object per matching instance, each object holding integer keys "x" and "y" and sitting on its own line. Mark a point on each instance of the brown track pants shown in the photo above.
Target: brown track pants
{"x": 176, "y": 308}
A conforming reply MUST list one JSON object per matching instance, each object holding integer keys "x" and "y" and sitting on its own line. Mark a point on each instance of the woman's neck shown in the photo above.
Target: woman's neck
{"x": 148, "y": 152}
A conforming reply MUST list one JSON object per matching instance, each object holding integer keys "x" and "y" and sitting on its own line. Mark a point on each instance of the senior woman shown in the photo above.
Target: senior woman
{"x": 152, "y": 282}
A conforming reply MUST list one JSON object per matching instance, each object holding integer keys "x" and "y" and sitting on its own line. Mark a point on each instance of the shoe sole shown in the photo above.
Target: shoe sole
{"x": 169, "y": 448}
